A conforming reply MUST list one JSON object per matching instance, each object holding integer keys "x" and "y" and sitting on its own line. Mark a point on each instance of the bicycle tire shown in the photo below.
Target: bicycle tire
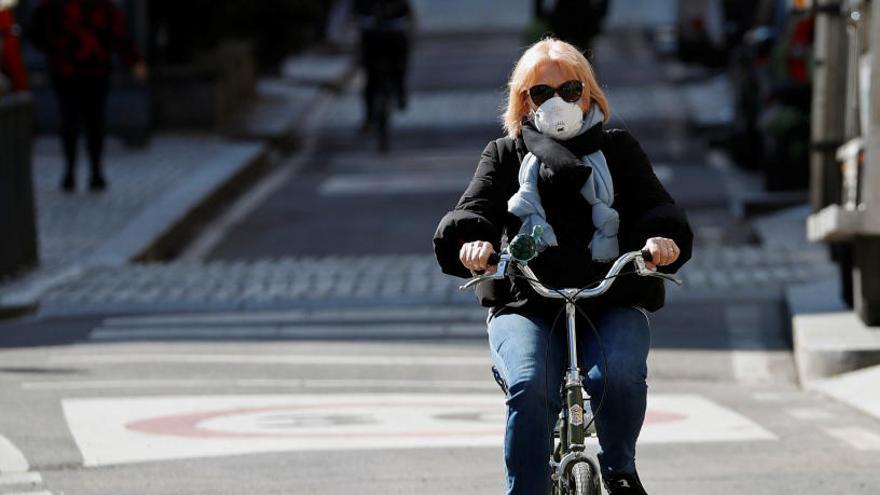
{"x": 582, "y": 479}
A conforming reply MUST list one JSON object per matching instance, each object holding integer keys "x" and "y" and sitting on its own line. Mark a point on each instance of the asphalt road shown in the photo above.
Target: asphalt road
{"x": 333, "y": 407}
{"x": 400, "y": 399}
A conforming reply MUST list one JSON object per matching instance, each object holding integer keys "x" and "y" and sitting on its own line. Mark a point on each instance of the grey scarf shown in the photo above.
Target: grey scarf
{"x": 598, "y": 191}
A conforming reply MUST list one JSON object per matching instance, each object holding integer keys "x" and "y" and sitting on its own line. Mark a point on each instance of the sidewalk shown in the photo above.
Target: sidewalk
{"x": 834, "y": 352}
{"x": 159, "y": 194}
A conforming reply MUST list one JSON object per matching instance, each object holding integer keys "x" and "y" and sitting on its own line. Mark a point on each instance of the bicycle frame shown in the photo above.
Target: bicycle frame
{"x": 574, "y": 416}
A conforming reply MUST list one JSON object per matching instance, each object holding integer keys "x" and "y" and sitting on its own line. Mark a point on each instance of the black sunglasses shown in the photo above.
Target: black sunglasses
{"x": 570, "y": 91}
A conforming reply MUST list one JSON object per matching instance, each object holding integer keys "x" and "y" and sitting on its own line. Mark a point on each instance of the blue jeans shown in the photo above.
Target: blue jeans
{"x": 518, "y": 343}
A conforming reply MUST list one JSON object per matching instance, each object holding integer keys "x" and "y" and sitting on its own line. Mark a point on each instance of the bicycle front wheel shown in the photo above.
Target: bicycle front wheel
{"x": 582, "y": 479}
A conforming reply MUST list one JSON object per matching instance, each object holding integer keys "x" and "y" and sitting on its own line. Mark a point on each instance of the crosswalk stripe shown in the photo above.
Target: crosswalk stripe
{"x": 11, "y": 459}
{"x": 400, "y": 183}
{"x": 408, "y": 314}
{"x": 487, "y": 384}
{"x": 857, "y": 438}
{"x": 41, "y": 492}
{"x": 809, "y": 413}
{"x": 750, "y": 357}
{"x": 20, "y": 478}
{"x": 269, "y": 359}
{"x": 312, "y": 331}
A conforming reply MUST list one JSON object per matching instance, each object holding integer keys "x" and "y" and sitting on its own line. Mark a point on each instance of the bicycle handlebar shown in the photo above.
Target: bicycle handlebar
{"x": 505, "y": 259}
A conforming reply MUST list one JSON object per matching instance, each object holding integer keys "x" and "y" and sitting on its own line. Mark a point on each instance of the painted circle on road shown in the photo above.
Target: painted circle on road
{"x": 346, "y": 420}
{"x": 334, "y": 420}
{"x": 117, "y": 430}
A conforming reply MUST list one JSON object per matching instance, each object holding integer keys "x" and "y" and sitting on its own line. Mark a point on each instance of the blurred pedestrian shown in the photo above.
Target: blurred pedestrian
{"x": 11, "y": 66}
{"x": 386, "y": 27}
{"x": 80, "y": 38}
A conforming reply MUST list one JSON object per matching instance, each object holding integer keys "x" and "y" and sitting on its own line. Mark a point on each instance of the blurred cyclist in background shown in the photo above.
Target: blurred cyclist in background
{"x": 574, "y": 21}
{"x": 386, "y": 27}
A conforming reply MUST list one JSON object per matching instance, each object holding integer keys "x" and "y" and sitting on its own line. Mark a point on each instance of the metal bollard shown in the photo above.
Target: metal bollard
{"x": 18, "y": 231}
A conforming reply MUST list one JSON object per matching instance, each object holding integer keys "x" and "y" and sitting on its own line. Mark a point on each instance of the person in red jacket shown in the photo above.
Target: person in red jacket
{"x": 80, "y": 38}
{"x": 10, "y": 49}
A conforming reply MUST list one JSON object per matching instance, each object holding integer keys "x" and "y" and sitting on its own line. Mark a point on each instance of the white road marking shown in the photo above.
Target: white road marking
{"x": 11, "y": 459}
{"x": 751, "y": 363}
{"x": 782, "y": 396}
{"x": 418, "y": 182}
{"x": 809, "y": 413}
{"x": 302, "y": 316}
{"x": 41, "y": 492}
{"x": 850, "y": 389}
{"x": 768, "y": 396}
{"x": 259, "y": 383}
{"x": 271, "y": 359}
{"x": 299, "y": 331}
{"x": 399, "y": 183}
{"x": 857, "y": 438}
{"x": 136, "y": 429}
{"x": 20, "y": 478}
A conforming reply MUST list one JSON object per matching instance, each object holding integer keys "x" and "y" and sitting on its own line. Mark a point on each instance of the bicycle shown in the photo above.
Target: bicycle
{"x": 573, "y": 471}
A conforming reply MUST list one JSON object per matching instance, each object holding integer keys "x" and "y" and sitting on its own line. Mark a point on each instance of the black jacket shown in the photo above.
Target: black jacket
{"x": 646, "y": 210}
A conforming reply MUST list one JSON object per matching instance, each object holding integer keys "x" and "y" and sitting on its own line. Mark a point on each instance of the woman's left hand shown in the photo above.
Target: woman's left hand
{"x": 663, "y": 252}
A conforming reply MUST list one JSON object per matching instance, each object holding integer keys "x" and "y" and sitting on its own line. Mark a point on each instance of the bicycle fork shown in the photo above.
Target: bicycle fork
{"x": 573, "y": 417}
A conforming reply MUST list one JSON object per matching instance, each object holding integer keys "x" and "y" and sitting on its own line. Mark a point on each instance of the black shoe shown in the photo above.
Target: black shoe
{"x": 624, "y": 484}
{"x": 68, "y": 184}
{"x": 97, "y": 183}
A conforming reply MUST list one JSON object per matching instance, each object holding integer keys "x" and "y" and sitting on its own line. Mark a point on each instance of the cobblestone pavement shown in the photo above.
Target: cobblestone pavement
{"x": 151, "y": 189}
{"x": 376, "y": 279}
{"x": 73, "y": 225}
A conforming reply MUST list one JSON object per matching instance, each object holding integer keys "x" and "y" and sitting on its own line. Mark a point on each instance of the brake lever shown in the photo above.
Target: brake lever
{"x": 498, "y": 275}
{"x": 666, "y": 276}
{"x": 645, "y": 272}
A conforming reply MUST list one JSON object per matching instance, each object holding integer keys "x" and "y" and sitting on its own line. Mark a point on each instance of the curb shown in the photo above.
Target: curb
{"x": 850, "y": 388}
{"x": 828, "y": 338}
{"x": 165, "y": 230}
{"x": 181, "y": 230}
{"x": 11, "y": 311}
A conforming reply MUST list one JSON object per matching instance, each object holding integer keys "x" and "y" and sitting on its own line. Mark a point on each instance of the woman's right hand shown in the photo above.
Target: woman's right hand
{"x": 475, "y": 256}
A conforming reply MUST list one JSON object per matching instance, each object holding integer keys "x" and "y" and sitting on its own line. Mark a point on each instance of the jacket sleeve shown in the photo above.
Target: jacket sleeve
{"x": 478, "y": 215}
{"x": 652, "y": 209}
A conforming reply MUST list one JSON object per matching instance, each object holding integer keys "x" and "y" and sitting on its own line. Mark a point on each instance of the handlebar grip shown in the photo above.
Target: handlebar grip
{"x": 646, "y": 255}
{"x": 493, "y": 260}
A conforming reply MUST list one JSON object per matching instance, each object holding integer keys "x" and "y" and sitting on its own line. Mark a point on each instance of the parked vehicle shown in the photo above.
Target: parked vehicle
{"x": 707, "y": 30}
{"x": 771, "y": 75}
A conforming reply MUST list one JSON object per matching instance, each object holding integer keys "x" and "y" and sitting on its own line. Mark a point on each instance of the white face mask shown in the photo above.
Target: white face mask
{"x": 558, "y": 118}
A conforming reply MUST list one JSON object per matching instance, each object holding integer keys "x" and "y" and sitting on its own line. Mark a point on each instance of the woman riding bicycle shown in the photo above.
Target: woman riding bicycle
{"x": 595, "y": 194}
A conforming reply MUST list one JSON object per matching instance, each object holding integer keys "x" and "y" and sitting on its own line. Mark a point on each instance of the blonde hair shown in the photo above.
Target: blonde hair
{"x": 523, "y": 76}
